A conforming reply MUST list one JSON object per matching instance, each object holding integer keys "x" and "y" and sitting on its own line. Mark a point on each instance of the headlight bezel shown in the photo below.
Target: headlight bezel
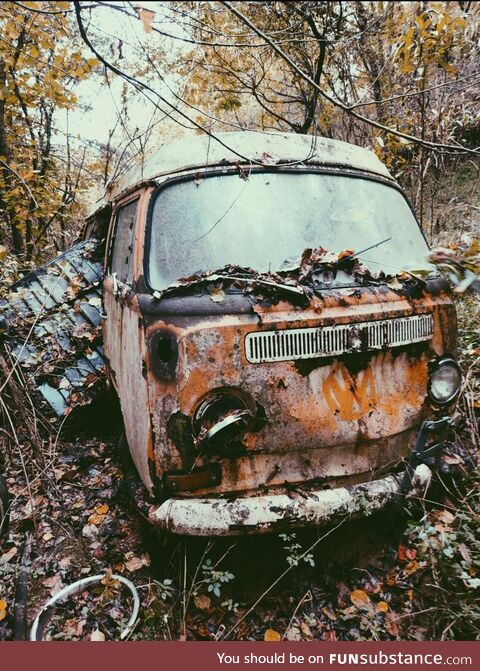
{"x": 437, "y": 366}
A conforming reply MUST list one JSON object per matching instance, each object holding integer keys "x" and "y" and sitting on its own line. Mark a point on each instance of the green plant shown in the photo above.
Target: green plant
{"x": 165, "y": 588}
{"x": 213, "y": 578}
{"x": 294, "y": 550}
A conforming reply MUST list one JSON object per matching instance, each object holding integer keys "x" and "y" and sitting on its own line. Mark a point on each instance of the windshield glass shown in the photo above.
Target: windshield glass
{"x": 264, "y": 220}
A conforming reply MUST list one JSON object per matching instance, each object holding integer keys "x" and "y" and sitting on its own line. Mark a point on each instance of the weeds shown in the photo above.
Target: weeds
{"x": 213, "y": 578}
{"x": 294, "y": 551}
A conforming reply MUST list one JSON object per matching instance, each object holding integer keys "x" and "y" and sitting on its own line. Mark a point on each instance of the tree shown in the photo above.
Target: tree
{"x": 40, "y": 64}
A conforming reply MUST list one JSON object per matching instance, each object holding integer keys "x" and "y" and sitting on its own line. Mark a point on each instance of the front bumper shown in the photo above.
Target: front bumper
{"x": 269, "y": 513}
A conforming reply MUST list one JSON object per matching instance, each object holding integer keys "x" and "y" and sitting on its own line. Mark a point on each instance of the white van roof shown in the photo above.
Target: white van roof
{"x": 243, "y": 148}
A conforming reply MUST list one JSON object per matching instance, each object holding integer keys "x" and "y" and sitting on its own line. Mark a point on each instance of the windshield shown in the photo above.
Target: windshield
{"x": 263, "y": 220}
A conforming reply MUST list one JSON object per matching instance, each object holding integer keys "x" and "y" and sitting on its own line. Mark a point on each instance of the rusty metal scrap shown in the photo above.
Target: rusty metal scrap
{"x": 54, "y": 319}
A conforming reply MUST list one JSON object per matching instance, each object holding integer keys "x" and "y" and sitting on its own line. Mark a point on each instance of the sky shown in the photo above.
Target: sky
{"x": 100, "y": 104}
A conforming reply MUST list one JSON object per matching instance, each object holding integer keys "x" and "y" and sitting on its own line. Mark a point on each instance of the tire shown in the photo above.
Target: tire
{"x": 3, "y": 506}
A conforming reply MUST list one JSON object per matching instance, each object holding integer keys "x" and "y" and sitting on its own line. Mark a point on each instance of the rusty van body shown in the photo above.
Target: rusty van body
{"x": 264, "y": 381}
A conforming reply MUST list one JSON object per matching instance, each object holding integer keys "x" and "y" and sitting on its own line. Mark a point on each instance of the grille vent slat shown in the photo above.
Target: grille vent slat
{"x": 309, "y": 343}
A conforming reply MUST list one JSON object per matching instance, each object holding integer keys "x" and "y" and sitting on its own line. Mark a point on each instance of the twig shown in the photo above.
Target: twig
{"x": 299, "y": 605}
{"x": 20, "y": 619}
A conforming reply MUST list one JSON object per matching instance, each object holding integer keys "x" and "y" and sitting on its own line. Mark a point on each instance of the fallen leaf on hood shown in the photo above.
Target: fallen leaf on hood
{"x": 395, "y": 284}
{"x": 217, "y": 295}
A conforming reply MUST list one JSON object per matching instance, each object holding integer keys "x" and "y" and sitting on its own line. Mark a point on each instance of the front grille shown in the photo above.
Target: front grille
{"x": 311, "y": 343}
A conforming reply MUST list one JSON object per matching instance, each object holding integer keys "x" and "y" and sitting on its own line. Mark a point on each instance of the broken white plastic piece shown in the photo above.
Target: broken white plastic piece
{"x": 80, "y": 586}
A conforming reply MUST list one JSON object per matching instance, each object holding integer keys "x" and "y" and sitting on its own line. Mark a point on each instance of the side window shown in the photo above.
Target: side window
{"x": 122, "y": 249}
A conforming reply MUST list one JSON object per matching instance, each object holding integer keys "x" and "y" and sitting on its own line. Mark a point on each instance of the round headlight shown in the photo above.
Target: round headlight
{"x": 445, "y": 381}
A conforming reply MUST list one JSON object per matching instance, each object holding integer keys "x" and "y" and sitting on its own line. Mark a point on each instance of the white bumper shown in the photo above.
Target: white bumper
{"x": 266, "y": 513}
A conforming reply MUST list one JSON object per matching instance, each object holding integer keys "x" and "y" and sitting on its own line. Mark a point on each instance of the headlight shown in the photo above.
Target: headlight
{"x": 163, "y": 349}
{"x": 221, "y": 419}
{"x": 445, "y": 381}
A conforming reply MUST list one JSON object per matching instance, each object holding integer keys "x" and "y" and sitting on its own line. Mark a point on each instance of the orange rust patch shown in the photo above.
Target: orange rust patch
{"x": 196, "y": 385}
{"x": 250, "y": 441}
{"x": 192, "y": 350}
{"x": 150, "y": 450}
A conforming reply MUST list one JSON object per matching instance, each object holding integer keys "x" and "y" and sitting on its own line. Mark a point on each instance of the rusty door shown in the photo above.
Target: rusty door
{"x": 123, "y": 333}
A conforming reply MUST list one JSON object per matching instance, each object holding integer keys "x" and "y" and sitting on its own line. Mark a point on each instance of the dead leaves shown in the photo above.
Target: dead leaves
{"x": 202, "y": 601}
{"x": 7, "y": 556}
{"x": 292, "y": 634}
{"x": 329, "y": 613}
{"x": 99, "y": 514}
{"x": 136, "y": 563}
{"x": 360, "y": 599}
{"x": 405, "y": 554}
{"x": 54, "y": 583}
{"x": 3, "y": 609}
{"x": 461, "y": 264}
{"x": 443, "y": 520}
{"x": 271, "y": 635}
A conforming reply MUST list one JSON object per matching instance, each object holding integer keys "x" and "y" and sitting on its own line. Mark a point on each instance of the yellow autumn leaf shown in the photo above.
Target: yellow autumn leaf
{"x": 3, "y": 609}
{"x": 412, "y": 567}
{"x": 382, "y": 606}
{"x": 359, "y": 598}
{"x": 272, "y": 635}
{"x": 101, "y": 509}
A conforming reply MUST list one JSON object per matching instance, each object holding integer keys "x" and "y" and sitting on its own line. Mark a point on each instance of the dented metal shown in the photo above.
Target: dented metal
{"x": 339, "y": 397}
{"x": 277, "y": 512}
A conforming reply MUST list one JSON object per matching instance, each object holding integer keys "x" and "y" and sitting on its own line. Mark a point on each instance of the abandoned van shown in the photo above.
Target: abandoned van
{"x": 276, "y": 363}
{"x": 278, "y": 360}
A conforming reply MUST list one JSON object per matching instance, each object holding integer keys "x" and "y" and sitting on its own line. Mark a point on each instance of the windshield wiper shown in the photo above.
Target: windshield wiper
{"x": 367, "y": 249}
